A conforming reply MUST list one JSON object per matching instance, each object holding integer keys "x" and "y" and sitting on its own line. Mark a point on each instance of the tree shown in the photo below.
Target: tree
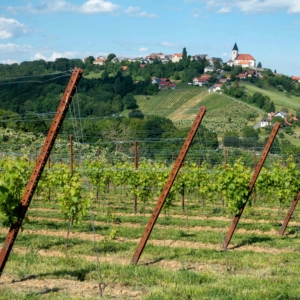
{"x": 298, "y": 113}
{"x": 278, "y": 119}
{"x": 129, "y": 101}
{"x": 250, "y": 132}
{"x": 110, "y": 57}
{"x": 136, "y": 113}
{"x": 259, "y": 65}
{"x": 184, "y": 53}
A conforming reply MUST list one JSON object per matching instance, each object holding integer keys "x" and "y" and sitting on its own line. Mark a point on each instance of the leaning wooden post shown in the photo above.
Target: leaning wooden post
{"x": 39, "y": 166}
{"x": 136, "y": 166}
{"x": 251, "y": 185}
{"x": 168, "y": 185}
{"x": 289, "y": 214}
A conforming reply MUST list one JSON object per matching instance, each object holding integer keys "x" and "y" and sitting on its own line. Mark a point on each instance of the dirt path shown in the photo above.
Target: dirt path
{"x": 216, "y": 218}
{"x": 194, "y": 229}
{"x": 162, "y": 243}
{"x": 182, "y": 112}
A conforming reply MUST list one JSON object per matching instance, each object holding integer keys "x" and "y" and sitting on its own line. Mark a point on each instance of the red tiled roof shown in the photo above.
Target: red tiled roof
{"x": 295, "y": 78}
{"x": 242, "y": 75}
{"x": 143, "y": 65}
{"x": 245, "y": 57}
{"x": 251, "y": 72}
{"x": 177, "y": 54}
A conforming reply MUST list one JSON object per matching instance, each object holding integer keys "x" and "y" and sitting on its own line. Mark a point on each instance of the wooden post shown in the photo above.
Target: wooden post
{"x": 251, "y": 185}
{"x": 255, "y": 196}
{"x": 39, "y": 166}
{"x": 168, "y": 185}
{"x": 136, "y": 166}
{"x": 289, "y": 214}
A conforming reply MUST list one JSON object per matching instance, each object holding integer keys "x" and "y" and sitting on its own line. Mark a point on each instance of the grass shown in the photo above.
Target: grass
{"x": 93, "y": 75}
{"x": 182, "y": 259}
{"x": 280, "y": 99}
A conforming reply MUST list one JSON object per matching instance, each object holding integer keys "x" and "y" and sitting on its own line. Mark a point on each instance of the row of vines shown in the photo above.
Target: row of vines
{"x": 76, "y": 191}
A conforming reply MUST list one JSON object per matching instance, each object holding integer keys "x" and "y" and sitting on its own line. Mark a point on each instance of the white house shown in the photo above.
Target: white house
{"x": 209, "y": 69}
{"x": 100, "y": 61}
{"x": 214, "y": 88}
{"x": 265, "y": 122}
{"x": 176, "y": 57}
{"x": 201, "y": 81}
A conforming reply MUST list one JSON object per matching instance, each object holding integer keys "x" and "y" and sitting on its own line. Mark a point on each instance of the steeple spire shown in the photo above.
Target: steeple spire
{"x": 235, "y": 47}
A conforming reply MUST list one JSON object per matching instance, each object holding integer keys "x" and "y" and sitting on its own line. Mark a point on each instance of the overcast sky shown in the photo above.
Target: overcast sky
{"x": 269, "y": 30}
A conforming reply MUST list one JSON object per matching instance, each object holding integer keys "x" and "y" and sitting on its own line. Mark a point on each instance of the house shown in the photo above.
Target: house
{"x": 296, "y": 79}
{"x": 168, "y": 56}
{"x": 251, "y": 73}
{"x": 213, "y": 60}
{"x": 281, "y": 114}
{"x": 242, "y": 76}
{"x": 214, "y": 88}
{"x": 100, "y": 61}
{"x": 156, "y": 80}
{"x": 155, "y": 56}
{"x": 200, "y": 81}
{"x": 209, "y": 69}
{"x": 165, "y": 84}
{"x": 265, "y": 122}
{"x": 244, "y": 60}
{"x": 176, "y": 57}
{"x": 223, "y": 80}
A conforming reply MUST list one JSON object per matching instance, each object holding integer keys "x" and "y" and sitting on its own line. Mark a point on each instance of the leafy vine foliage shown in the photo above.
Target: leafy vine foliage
{"x": 280, "y": 182}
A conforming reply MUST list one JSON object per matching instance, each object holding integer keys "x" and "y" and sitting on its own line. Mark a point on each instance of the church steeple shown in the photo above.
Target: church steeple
{"x": 235, "y": 47}
{"x": 235, "y": 52}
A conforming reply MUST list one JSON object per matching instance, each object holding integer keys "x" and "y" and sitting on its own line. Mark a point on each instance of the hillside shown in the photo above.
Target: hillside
{"x": 280, "y": 99}
{"x": 223, "y": 113}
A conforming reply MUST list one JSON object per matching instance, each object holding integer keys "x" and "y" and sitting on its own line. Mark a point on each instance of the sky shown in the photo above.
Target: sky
{"x": 269, "y": 30}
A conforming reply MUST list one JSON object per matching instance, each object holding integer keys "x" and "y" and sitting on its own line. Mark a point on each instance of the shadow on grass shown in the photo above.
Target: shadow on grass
{"x": 153, "y": 262}
{"x": 251, "y": 240}
{"x": 186, "y": 234}
{"x": 78, "y": 274}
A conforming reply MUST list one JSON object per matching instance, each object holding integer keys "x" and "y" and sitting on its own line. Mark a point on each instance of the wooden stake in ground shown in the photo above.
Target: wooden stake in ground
{"x": 39, "y": 166}
{"x": 168, "y": 185}
{"x": 251, "y": 185}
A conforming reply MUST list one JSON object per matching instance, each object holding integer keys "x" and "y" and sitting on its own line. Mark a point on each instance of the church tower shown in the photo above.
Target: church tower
{"x": 235, "y": 52}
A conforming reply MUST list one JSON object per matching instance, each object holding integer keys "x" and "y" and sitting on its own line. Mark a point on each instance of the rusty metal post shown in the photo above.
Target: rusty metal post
{"x": 136, "y": 166}
{"x": 39, "y": 166}
{"x": 289, "y": 214}
{"x": 71, "y": 154}
{"x": 168, "y": 185}
{"x": 251, "y": 184}
{"x": 255, "y": 196}
{"x": 182, "y": 191}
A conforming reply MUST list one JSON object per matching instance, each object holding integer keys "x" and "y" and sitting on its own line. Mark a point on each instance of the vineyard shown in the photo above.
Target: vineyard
{"x": 81, "y": 230}
{"x": 223, "y": 114}
{"x": 86, "y": 212}
{"x": 168, "y": 101}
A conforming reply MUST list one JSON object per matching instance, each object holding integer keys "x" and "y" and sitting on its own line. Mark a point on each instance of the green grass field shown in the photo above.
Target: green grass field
{"x": 280, "y": 99}
{"x": 182, "y": 260}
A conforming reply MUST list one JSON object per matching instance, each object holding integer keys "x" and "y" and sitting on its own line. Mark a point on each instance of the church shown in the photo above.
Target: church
{"x": 243, "y": 60}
